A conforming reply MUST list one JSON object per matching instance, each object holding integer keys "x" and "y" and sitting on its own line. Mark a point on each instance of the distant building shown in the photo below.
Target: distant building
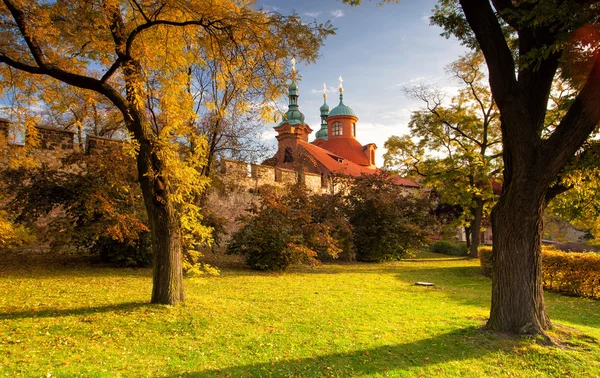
{"x": 335, "y": 151}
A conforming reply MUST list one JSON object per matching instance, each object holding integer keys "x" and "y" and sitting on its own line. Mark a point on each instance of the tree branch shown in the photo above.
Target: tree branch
{"x": 575, "y": 127}
{"x": 498, "y": 56}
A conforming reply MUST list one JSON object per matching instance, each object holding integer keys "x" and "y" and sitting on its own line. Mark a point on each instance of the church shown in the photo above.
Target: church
{"x": 334, "y": 151}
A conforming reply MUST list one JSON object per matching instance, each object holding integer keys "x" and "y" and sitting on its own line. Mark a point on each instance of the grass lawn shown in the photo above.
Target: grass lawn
{"x": 335, "y": 320}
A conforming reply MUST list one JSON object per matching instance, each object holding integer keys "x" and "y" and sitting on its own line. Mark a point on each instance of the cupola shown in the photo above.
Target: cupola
{"x": 322, "y": 133}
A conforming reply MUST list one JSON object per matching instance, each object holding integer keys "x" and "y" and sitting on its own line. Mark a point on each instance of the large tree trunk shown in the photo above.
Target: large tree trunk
{"x": 476, "y": 228}
{"x": 167, "y": 283}
{"x": 517, "y": 291}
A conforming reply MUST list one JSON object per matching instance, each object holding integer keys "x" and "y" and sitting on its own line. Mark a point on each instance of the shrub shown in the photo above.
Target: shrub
{"x": 13, "y": 235}
{"x": 388, "y": 222}
{"x": 569, "y": 273}
{"x": 572, "y": 273}
{"x": 485, "y": 258}
{"x": 280, "y": 231}
{"x": 447, "y": 247}
{"x": 130, "y": 253}
{"x": 329, "y": 210}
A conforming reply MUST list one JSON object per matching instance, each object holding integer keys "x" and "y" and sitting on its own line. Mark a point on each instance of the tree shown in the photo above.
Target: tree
{"x": 137, "y": 55}
{"x": 230, "y": 108}
{"x": 458, "y": 147}
{"x": 283, "y": 229}
{"x": 524, "y": 44}
{"x": 387, "y": 222}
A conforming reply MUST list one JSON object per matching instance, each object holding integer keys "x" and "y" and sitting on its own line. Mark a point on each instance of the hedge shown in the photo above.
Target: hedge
{"x": 449, "y": 248}
{"x": 571, "y": 273}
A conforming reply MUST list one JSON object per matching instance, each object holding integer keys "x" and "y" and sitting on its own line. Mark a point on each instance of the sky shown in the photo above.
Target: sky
{"x": 378, "y": 50}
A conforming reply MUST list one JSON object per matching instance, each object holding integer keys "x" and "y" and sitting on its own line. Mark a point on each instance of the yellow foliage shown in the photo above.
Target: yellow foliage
{"x": 12, "y": 235}
{"x": 567, "y": 272}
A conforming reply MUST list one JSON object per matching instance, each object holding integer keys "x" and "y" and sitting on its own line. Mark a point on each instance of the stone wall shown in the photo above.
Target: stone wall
{"x": 54, "y": 145}
{"x": 97, "y": 145}
{"x": 55, "y": 139}
{"x": 252, "y": 176}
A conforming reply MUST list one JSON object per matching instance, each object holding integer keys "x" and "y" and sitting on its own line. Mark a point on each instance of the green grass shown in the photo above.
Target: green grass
{"x": 336, "y": 320}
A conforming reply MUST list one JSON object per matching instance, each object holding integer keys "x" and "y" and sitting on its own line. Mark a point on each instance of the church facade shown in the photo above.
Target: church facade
{"x": 335, "y": 149}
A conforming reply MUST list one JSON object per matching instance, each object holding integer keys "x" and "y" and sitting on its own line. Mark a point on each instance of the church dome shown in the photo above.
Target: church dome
{"x": 342, "y": 109}
{"x": 294, "y": 115}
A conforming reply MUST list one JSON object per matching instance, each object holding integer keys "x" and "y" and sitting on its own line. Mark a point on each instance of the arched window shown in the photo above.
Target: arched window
{"x": 336, "y": 129}
{"x": 373, "y": 157}
{"x": 353, "y": 129}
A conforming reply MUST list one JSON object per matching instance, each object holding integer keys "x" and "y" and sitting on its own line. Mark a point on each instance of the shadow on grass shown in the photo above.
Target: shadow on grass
{"x": 461, "y": 344}
{"x": 82, "y": 311}
{"x": 467, "y": 286}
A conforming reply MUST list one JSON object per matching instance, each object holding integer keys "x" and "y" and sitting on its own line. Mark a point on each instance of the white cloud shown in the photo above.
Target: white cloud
{"x": 330, "y": 89}
{"x": 420, "y": 80}
{"x": 312, "y": 14}
{"x": 269, "y": 8}
{"x": 337, "y": 13}
{"x": 378, "y": 133}
{"x": 425, "y": 18}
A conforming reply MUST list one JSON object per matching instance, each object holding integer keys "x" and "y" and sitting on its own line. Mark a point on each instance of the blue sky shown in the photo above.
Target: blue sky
{"x": 378, "y": 51}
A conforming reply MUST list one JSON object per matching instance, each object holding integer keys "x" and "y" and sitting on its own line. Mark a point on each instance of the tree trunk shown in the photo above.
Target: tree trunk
{"x": 167, "y": 283}
{"x": 476, "y": 228}
{"x": 517, "y": 291}
{"x": 468, "y": 237}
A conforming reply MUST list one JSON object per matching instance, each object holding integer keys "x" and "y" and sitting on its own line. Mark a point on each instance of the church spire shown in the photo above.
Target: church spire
{"x": 293, "y": 115}
{"x": 322, "y": 133}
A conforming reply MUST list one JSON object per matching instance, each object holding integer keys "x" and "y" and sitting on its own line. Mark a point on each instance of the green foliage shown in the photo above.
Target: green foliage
{"x": 571, "y": 273}
{"x": 447, "y": 247}
{"x": 454, "y": 148}
{"x": 388, "y": 223}
{"x": 280, "y": 230}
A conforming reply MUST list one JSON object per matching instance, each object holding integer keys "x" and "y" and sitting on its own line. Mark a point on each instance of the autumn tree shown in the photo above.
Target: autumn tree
{"x": 231, "y": 109}
{"x": 524, "y": 44}
{"x": 546, "y": 35}
{"x": 137, "y": 55}
{"x": 455, "y": 148}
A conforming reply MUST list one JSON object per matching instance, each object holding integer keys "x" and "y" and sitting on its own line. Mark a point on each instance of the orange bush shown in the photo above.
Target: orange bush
{"x": 570, "y": 273}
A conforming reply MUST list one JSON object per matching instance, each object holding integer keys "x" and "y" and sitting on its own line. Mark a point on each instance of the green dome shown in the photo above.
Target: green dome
{"x": 324, "y": 108}
{"x": 341, "y": 109}
{"x": 293, "y": 88}
{"x": 322, "y": 133}
{"x": 293, "y": 115}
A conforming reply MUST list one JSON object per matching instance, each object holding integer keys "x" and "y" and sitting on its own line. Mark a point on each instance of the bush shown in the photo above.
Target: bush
{"x": 575, "y": 274}
{"x": 572, "y": 273}
{"x": 130, "y": 253}
{"x": 388, "y": 222}
{"x": 447, "y": 247}
{"x": 329, "y": 210}
{"x": 485, "y": 258}
{"x": 13, "y": 235}
{"x": 280, "y": 231}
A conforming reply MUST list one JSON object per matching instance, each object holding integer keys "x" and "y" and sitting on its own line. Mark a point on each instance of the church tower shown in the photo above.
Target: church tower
{"x": 292, "y": 130}
{"x": 341, "y": 134}
{"x": 322, "y": 133}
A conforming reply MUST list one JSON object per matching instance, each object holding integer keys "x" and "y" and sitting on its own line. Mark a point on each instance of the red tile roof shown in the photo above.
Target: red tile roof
{"x": 348, "y": 148}
{"x": 337, "y": 164}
